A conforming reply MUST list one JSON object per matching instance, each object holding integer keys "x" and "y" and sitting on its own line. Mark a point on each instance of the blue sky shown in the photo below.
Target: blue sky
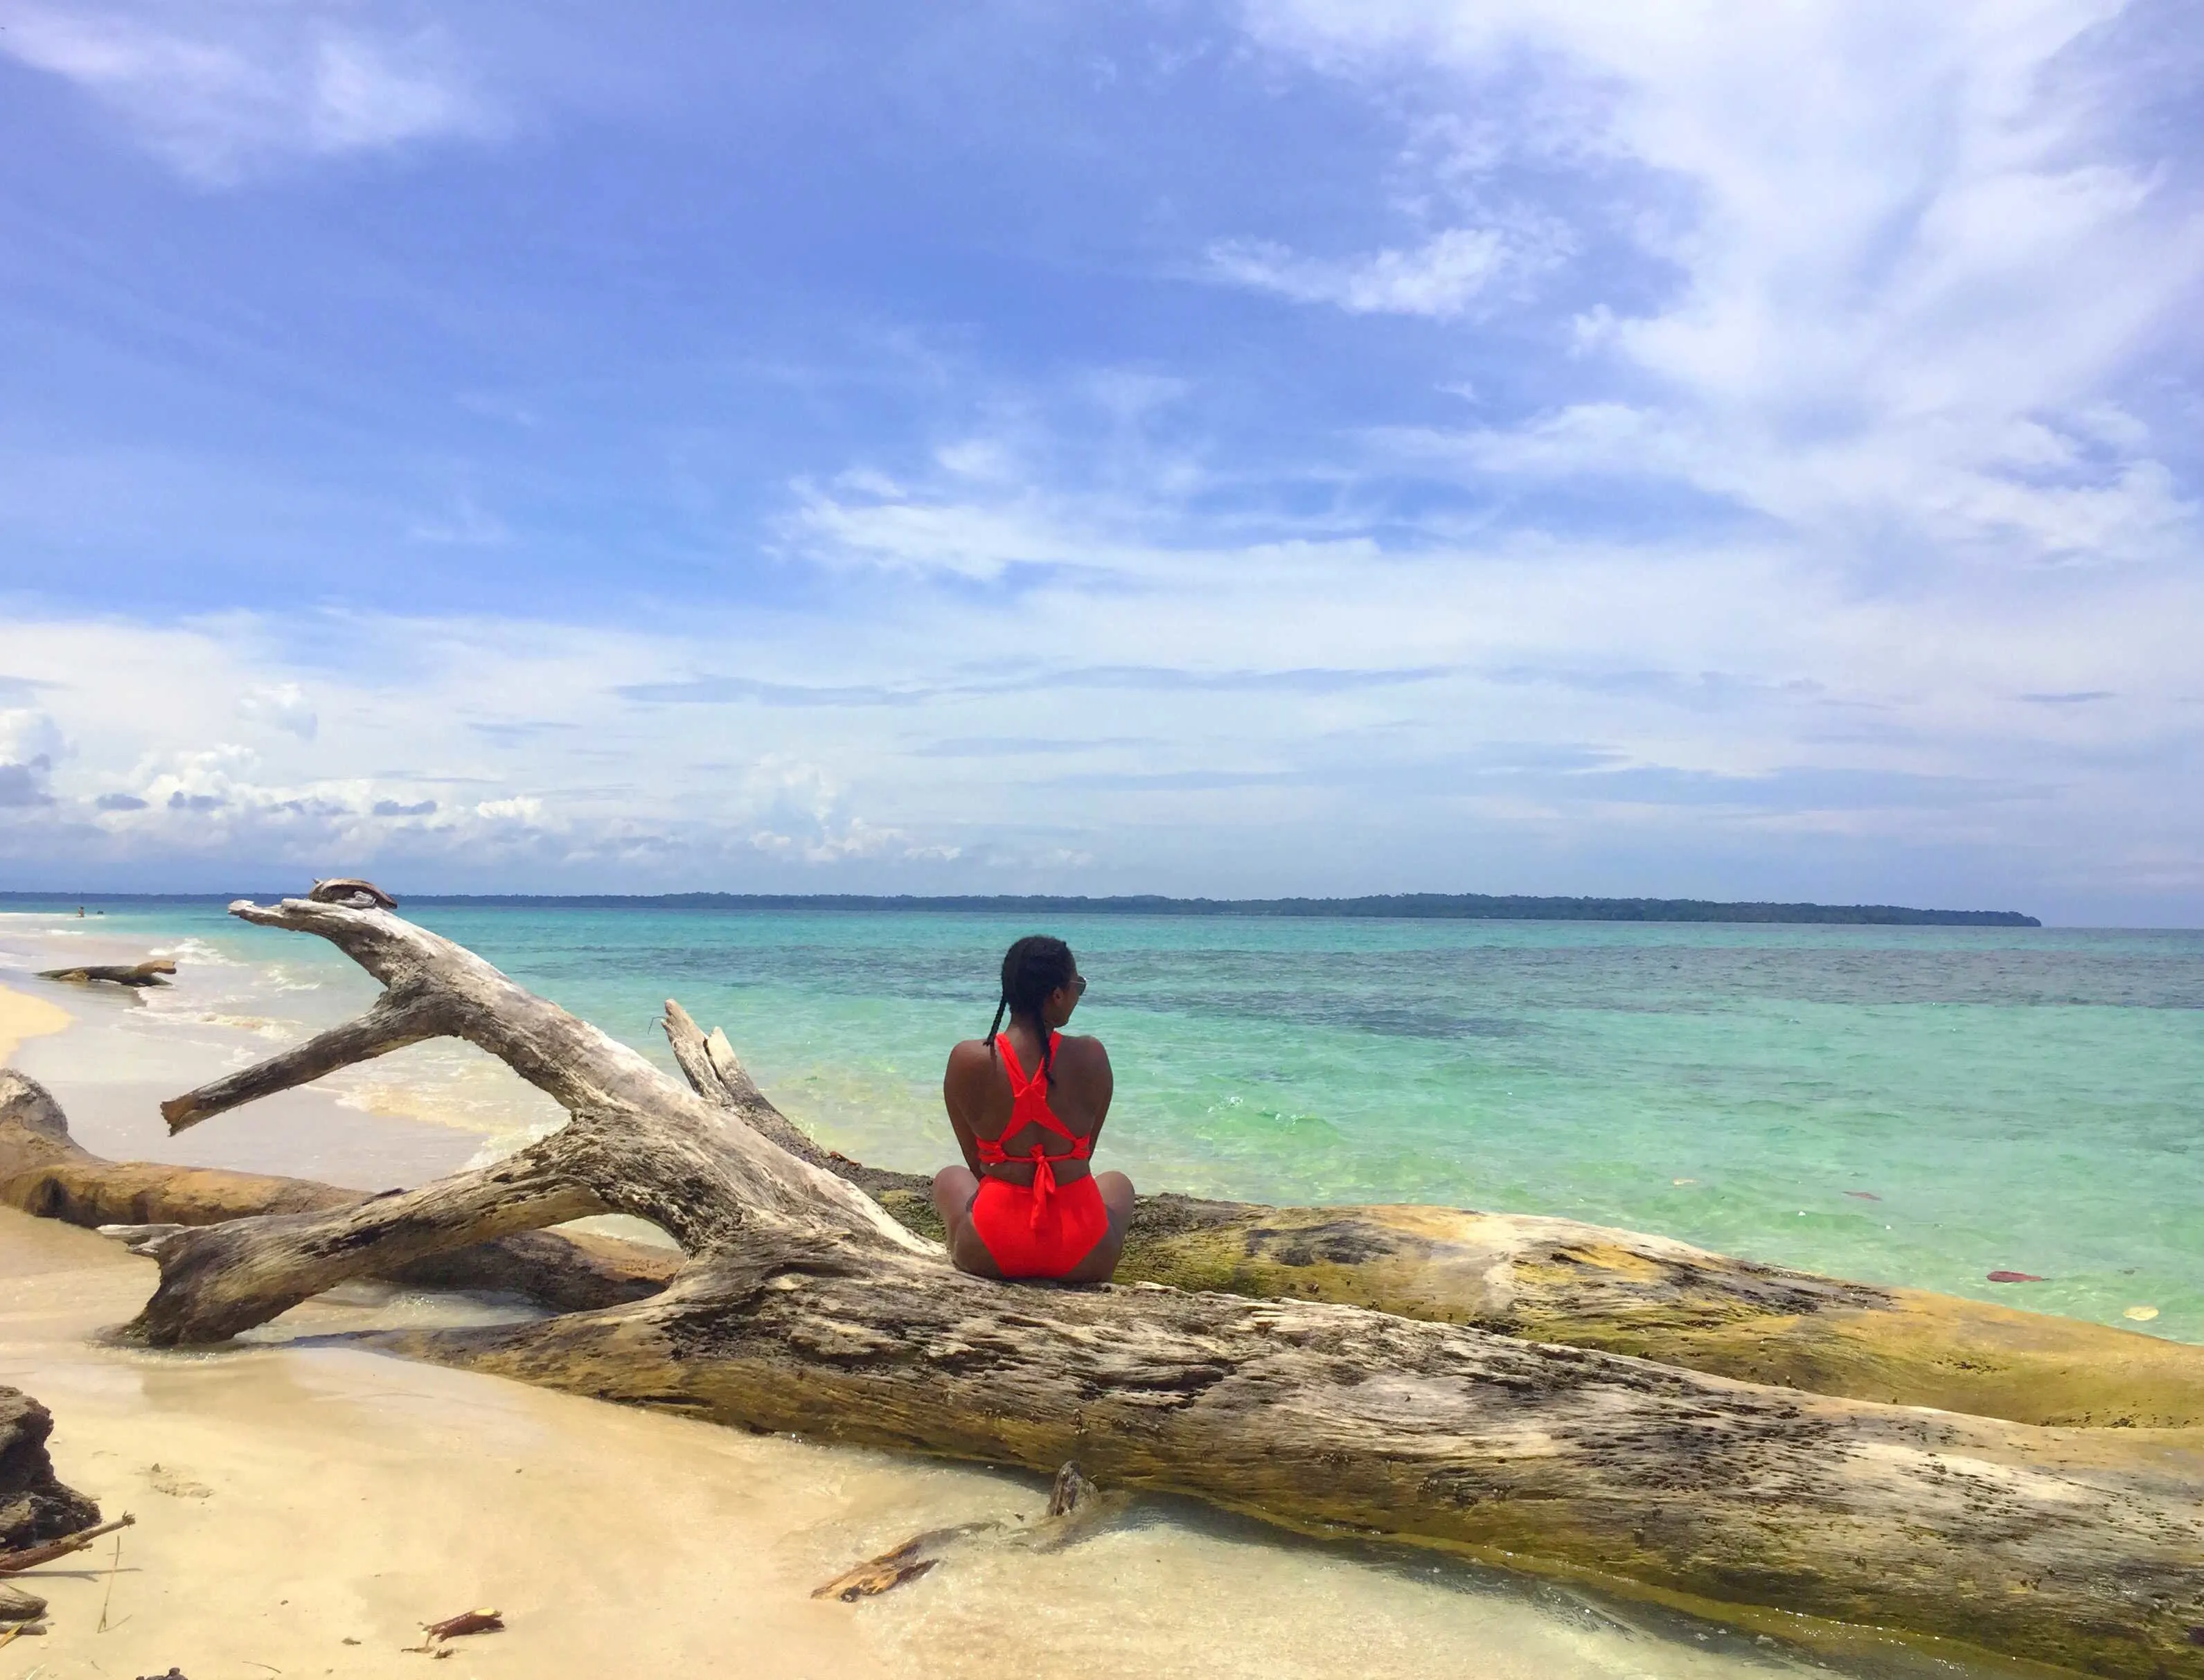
{"x": 1301, "y": 445}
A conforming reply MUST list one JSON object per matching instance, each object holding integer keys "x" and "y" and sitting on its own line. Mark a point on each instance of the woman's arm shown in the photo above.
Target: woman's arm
{"x": 1097, "y": 1069}
{"x": 956, "y": 1082}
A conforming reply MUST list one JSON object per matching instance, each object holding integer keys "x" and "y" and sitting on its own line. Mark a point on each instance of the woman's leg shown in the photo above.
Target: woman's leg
{"x": 1102, "y": 1259}
{"x": 954, "y": 1187}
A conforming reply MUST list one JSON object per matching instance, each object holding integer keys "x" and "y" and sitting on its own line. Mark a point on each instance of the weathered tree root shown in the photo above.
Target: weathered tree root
{"x": 803, "y": 1306}
{"x": 44, "y": 1171}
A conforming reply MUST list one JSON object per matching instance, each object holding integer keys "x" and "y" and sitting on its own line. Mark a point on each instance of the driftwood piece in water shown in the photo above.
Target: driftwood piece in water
{"x": 900, "y": 1566}
{"x": 1588, "y": 1286}
{"x": 44, "y": 1171}
{"x": 137, "y": 974}
{"x": 1076, "y": 1508}
{"x": 30, "y": 1557}
{"x": 804, "y": 1307}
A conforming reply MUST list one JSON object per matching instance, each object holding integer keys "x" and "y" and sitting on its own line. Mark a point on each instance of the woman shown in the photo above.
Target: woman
{"x": 1028, "y": 1104}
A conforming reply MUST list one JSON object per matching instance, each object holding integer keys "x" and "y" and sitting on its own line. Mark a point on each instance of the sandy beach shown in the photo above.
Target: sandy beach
{"x": 302, "y": 1510}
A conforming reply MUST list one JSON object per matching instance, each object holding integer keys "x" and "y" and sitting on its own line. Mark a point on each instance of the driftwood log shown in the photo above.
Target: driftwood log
{"x": 803, "y": 1305}
{"x": 1546, "y": 1279}
{"x": 152, "y": 972}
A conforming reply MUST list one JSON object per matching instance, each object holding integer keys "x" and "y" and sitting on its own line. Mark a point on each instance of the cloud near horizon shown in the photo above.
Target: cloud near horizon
{"x": 1504, "y": 448}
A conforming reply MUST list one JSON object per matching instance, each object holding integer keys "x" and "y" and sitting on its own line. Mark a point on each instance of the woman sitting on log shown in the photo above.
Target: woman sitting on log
{"x": 1025, "y": 1203}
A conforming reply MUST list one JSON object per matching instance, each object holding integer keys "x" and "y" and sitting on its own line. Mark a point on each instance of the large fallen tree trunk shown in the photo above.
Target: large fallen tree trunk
{"x": 1545, "y": 1279}
{"x": 1548, "y": 1280}
{"x": 803, "y": 1305}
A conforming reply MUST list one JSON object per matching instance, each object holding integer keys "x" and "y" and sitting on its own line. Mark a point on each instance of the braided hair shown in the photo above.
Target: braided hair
{"x": 1032, "y": 968}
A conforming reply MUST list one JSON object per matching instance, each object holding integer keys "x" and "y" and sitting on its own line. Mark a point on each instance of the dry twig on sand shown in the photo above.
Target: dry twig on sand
{"x": 31, "y": 1556}
{"x": 458, "y": 1627}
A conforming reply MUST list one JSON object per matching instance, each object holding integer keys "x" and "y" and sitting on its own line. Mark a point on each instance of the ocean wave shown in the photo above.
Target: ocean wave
{"x": 199, "y": 952}
{"x": 453, "y": 1086}
{"x": 259, "y": 1026}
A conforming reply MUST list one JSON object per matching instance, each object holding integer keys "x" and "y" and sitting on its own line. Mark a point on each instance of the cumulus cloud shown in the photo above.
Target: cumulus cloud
{"x": 223, "y": 92}
{"x": 29, "y": 742}
{"x": 284, "y": 704}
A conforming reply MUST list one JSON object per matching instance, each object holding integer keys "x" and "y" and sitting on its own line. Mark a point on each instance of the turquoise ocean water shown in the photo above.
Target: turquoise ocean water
{"x": 2021, "y": 1099}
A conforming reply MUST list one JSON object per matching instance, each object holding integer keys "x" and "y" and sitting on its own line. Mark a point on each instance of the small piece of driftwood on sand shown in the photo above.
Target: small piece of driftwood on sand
{"x": 802, "y": 1304}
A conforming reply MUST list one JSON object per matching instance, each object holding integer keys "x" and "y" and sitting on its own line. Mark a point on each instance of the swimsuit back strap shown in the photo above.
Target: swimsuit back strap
{"x": 1030, "y": 1107}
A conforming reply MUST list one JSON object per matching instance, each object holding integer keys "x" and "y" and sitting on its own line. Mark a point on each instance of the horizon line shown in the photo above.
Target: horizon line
{"x": 1414, "y": 906}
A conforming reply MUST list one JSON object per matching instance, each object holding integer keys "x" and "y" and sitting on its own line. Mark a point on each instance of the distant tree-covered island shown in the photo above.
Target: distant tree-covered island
{"x": 1404, "y": 906}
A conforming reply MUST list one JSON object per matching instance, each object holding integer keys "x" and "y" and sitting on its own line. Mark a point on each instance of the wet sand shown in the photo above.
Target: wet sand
{"x": 22, "y": 1016}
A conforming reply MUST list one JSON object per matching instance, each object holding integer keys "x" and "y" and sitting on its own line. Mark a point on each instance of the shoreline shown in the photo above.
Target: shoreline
{"x": 23, "y": 1017}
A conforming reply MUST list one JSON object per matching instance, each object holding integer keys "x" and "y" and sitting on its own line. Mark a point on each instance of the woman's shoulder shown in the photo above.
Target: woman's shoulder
{"x": 969, "y": 1050}
{"x": 1081, "y": 1051}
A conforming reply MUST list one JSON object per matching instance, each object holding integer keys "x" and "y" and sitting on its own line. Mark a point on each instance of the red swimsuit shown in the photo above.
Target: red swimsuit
{"x": 1047, "y": 1228}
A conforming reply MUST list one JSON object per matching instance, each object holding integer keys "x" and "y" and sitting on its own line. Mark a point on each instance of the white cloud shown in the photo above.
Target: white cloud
{"x": 30, "y": 741}
{"x": 28, "y": 732}
{"x": 1441, "y": 279}
{"x": 1543, "y": 705}
{"x": 284, "y": 704}
{"x": 224, "y": 91}
{"x": 1914, "y": 266}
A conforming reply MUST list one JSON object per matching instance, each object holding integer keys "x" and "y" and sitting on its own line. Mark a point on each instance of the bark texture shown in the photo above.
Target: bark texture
{"x": 804, "y": 1306}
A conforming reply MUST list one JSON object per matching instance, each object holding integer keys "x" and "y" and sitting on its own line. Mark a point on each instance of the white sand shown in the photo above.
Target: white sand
{"x": 304, "y": 1496}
